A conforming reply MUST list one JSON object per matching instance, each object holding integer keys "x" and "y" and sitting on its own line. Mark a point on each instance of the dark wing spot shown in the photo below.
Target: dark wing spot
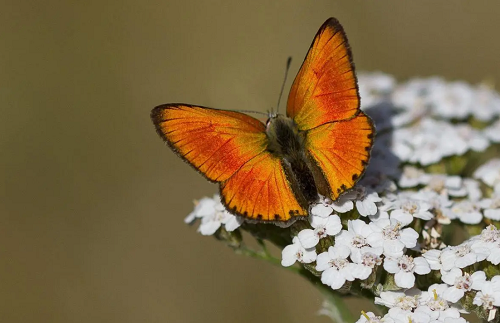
{"x": 370, "y": 135}
{"x": 259, "y": 216}
{"x": 367, "y": 148}
{"x": 364, "y": 163}
{"x": 290, "y": 212}
{"x": 343, "y": 187}
{"x": 277, "y": 217}
{"x": 245, "y": 213}
{"x": 355, "y": 177}
{"x": 339, "y": 190}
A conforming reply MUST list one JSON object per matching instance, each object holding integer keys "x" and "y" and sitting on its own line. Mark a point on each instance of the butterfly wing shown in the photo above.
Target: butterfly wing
{"x": 230, "y": 148}
{"x": 324, "y": 103}
{"x": 215, "y": 142}
{"x": 341, "y": 150}
{"x": 325, "y": 89}
{"x": 260, "y": 190}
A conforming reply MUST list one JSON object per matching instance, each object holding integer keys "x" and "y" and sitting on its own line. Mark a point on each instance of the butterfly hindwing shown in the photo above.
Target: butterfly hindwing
{"x": 260, "y": 190}
{"x": 230, "y": 148}
{"x": 325, "y": 89}
{"x": 341, "y": 150}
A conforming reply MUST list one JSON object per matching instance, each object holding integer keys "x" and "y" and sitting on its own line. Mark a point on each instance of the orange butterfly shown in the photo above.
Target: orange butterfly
{"x": 273, "y": 171}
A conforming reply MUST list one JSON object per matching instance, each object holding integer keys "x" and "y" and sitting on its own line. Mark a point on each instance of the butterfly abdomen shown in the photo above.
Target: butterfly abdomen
{"x": 287, "y": 143}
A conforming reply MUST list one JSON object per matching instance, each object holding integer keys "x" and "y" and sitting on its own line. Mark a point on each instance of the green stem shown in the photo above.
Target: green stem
{"x": 337, "y": 308}
{"x": 264, "y": 255}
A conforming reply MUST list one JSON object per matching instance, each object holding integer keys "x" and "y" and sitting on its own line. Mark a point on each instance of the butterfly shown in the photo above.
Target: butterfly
{"x": 273, "y": 171}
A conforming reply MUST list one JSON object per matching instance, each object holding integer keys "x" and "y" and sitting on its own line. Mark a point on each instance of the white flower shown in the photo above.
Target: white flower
{"x": 404, "y": 268}
{"x": 296, "y": 252}
{"x": 335, "y": 267}
{"x": 461, "y": 283}
{"x": 475, "y": 140}
{"x": 433, "y": 257}
{"x": 366, "y": 202}
{"x": 322, "y": 210}
{"x": 488, "y": 102}
{"x": 203, "y": 207}
{"x": 342, "y": 204}
{"x": 489, "y": 172}
{"x": 494, "y": 252}
{"x": 452, "y": 100}
{"x": 355, "y": 239}
{"x": 433, "y": 303}
{"x": 473, "y": 190}
{"x": 493, "y": 132}
{"x": 490, "y": 234}
{"x": 426, "y": 140}
{"x": 374, "y": 88}
{"x": 466, "y": 211}
{"x": 213, "y": 214}
{"x": 453, "y": 186}
{"x": 463, "y": 255}
{"x": 401, "y": 146}
{"x": 439, "y": 203}
{"x": 490, "y": 240}
{"x": 410, "y": 209}
{"x": 364, "y": 268}
{"x": 406, "y": 206}
{"x": 389, "y": 234}
{"x": 407, "y": 300}
{"x": 491, "y": 206}
{"x": 489, "y": 295}
{"x": 412, "y": 177}
{"x": 323, "y": 227}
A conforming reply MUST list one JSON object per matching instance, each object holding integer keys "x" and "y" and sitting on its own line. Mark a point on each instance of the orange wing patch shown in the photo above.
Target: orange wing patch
{"x": 215, "y": 142}
{"x": 261, "y": 191}
{"x": 342, "y": 150}
{"x": 325, "y": 89}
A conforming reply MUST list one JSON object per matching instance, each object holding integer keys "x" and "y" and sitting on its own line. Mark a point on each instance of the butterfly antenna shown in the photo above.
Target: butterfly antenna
{"x": 288, "y": 62}
{"x": 248, "y": 111}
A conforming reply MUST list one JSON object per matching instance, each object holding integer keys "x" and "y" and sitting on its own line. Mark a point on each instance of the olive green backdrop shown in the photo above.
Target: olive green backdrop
{"x": 91, "y": 201}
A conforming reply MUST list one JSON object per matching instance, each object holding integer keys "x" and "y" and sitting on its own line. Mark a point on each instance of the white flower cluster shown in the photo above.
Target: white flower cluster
{"x": 392, "y": 200}
{"x": 420, "y": 112}
{"x": 384, "y": 236}
{"x": 438, "y": 303}
{"x": 399, "y": 214}
{"x": 213, "y": 215}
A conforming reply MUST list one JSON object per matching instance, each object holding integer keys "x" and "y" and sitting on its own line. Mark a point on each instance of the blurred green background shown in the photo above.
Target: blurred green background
{"x": 91, "y": 201}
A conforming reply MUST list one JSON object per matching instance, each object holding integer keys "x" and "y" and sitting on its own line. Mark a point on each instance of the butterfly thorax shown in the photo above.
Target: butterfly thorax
{"x": 287, "y": 142}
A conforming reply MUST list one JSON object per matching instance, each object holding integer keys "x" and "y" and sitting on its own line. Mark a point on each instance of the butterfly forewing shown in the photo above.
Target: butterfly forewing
{"x": 324, "y": 103}
{"x": 216, "y": 142}
{"x": 325, "y": 89}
